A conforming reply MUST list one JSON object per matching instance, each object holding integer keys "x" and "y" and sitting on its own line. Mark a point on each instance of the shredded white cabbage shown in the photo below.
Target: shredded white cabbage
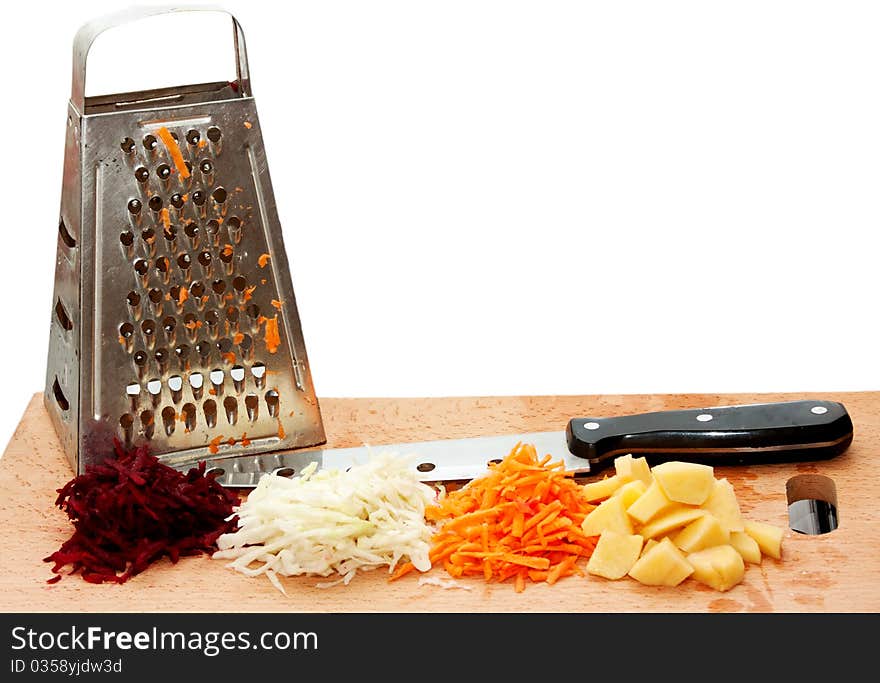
{"x": 332, "y": 521}
{"x": 443, "y": 583}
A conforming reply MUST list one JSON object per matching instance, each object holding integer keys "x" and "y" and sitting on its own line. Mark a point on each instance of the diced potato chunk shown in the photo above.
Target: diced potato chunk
{"x": 629, "y": 468}
{"x": 631, "y": 491}
{"x": 768, "y": 537}
{"x": 602, "y": 489}
{"x": 719, "y": 567}
{"x": 610, "y": 514}
{"x": 650, "y": 543}
{"x": 685, "y": 482}
{"x": 746, "y": 546}
{"x": 675, "y": 518}
{"x": 614, "y": 555}
{"x": 723, "y": 504}
{"x": 652, "y": 502}
{"x": 704, "y": 532}
{"x": 662, "y": 565}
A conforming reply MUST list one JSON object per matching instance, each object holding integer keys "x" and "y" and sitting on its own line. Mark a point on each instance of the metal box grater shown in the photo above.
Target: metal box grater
{"x": 174, "y": 321}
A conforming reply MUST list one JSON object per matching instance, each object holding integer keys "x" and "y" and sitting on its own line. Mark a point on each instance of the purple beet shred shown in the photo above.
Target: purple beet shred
{"x": 133, "y": 510}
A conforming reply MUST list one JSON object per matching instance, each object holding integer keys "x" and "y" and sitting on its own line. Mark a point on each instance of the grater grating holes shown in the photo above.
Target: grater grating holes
{"x": 210, "y": 227}
{"x": 188, "y": 413}
{"x": 181, "y": 351}
{"x": 147, "y": 424}
{"x": 60, "y": 398}
{"x": 62, "y": 316}
{"x": 230, "y": 406}
{"x": 126, "y": 423}
{"x": 203, "y": 348}
{"x": 234, "y": 225}
{"x": 237, "y": 375}
{"x": 213, "y": 320}
{"x": 217, "y": 376}
{"x": 161, "y": 356}
{"x": 175, "y": 386}
{"x": 184, "y": 262}
{"x": 258, "y": 370}
{"x": 169, "y": 420}
{"x": 272, "y": 402}
{"x": 252, "y": 406}
{"x": 197, "y": 384}
{"x": 140, "y": 358}
{"x": 64, "y": 234}
{"x": 141, "y": 267}
{"x": 209, "y": 407}
{"x": 127, "y": 145}
{"x": 148, "y": 235}
{"x": 246, "y": 346}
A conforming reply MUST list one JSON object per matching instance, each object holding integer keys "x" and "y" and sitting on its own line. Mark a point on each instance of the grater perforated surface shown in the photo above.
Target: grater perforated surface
{"x": 185, "y": 333}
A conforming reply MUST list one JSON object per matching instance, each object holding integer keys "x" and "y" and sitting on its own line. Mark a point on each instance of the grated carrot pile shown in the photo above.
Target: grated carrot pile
{"x": 521, "y": 521}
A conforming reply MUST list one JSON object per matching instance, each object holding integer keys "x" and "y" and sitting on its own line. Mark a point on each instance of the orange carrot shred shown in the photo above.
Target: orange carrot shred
{"x": 263, "y": 260}
{"x": 402, "y": 570}
{"x": 272, "y": 338}
{"x": 173, "y": 151}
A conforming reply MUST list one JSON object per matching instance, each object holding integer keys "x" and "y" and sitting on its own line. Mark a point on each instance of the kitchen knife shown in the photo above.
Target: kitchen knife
{"x": 727, "y": 435}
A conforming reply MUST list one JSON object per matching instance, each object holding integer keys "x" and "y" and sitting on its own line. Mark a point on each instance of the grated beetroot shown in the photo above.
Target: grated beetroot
{"x": 132, "y": 510}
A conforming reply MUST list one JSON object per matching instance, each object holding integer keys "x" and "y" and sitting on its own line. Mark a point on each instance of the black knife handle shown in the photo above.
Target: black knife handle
{"x": 731, "y": 435}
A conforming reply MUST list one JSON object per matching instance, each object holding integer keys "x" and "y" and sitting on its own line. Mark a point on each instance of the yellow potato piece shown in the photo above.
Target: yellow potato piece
{"x": 650, "y": 543}
{"x": 610, "y": 514}
{"x": 723, "y": 504}
{"x": 746, "y": 546}
{"x": 599, "y": 490}
{"x": 631, "y": 491}
{"x": 652, "y": 502}
{"x": 614, "y": 555}
{"x": 662, "y": 565}
{"x": 629, "y": 468}
{"x": 719, "y": 567}
{"x": 767, "y": 536}
{"x": 704, "y": 532}
{"x": 685, "y": 482}
{"x": 674, "y": 519}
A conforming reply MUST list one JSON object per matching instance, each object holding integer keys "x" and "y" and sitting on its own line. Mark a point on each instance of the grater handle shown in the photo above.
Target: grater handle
{"x": 87, "y": 34}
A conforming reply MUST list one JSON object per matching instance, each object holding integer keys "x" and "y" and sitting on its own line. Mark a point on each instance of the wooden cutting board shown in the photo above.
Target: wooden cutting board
{"x": 834, "y": 572}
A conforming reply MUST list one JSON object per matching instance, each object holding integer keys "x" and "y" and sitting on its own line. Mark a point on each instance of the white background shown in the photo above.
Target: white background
{"x": 484, "y": 197}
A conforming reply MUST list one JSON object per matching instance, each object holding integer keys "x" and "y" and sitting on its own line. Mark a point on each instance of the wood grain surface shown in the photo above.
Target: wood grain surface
{"x": 834, "y": 572}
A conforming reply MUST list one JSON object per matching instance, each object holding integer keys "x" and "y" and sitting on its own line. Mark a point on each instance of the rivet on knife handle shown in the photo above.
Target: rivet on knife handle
{"x": 727, "y": 435}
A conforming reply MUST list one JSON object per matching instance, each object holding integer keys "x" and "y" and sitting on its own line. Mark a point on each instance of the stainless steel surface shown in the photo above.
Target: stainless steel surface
{"x": 167, "y": 287}
{"x": 812, "y": 517}
{"x": 441, "y": 460}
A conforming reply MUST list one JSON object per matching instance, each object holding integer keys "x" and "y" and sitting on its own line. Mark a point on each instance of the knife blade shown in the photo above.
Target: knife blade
{"x": 724, "y": 435}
